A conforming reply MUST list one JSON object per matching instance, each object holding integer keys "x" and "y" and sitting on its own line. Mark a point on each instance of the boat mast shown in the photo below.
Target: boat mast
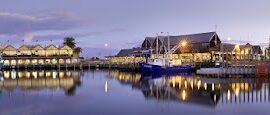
{"x": 157, "y": 47}
{"x": 168, "y": 47}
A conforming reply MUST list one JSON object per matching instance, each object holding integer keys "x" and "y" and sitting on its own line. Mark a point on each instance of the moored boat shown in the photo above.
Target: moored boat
{"x": 163, "y": 66}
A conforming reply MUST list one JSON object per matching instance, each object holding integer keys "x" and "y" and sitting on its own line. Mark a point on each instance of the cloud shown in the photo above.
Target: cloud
{"x": 13, "y": 23}
{"x": 28, "y": 37}
{"x": 59, "y": 35}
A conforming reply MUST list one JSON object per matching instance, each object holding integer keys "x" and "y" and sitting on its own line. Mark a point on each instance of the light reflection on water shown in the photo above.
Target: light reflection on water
{"x": 114, "y": 92}
{"x": 40, "y": 80}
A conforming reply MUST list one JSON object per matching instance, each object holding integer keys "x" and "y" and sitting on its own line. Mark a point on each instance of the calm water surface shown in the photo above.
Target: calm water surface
{"x": 100, "y": 92}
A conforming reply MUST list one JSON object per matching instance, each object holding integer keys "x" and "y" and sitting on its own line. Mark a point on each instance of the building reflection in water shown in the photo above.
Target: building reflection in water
{"x": 200, "y": 90}
{"x": 39, "y": 80}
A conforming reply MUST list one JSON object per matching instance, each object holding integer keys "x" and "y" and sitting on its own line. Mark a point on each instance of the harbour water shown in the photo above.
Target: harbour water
{"x": 104, "y": 92}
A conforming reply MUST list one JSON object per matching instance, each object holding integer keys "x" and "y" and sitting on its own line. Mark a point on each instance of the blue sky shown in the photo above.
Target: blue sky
{"x": 125, "y": 23}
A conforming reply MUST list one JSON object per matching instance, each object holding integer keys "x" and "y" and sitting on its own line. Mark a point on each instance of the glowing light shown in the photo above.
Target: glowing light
{"x": 237, "y": 47}
{"x": 191, "y": 83}
{"x": 213, "y": 87}
{"x": 35, "y": 74}
{"x": 229, "y": 38}
{"x": 28, "y": 74}
{"x": 106, "y": 44}
{"x": 183, "y": 43}
{"x": 13, "y": 74}
{"x": 106, "y": 87}
{"x": 205, "y": 86}
{"x": 184, "y": 95}
{"x": 185, "y": 84}
{"x": 215, "y": 98}
{"x": 54, "y": 75}
{"x": 228, "y": 95}
{"x": 199, "y": 84}
{"x": 237, "y": 91}
{"x": 6, "y": 74}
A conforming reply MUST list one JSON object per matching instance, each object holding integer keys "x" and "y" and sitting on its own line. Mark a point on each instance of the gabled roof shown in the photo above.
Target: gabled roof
{"x": 9, "y": 46}
{"x": 150, "y": 39}
{"x": 190, "y": 38}
{"x": 148, "y": 42}
{"x": 127, "y": 52}
{"x": 37, "y": 47}
{"x": 231, "y": 47}
{"x": 65, "y": 47}
{"x": 24, "y": 47}
{"x": 228, "y": 47}
{"x": 49, "y": 46}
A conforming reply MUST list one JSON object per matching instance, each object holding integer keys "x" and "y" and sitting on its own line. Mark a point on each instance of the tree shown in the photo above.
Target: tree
{"x": 78, "y": 50}
{"x": 70, "y": 41}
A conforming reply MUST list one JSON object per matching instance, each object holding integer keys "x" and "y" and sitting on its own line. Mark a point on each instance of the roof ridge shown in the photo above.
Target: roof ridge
{"x": 194, "y": 34}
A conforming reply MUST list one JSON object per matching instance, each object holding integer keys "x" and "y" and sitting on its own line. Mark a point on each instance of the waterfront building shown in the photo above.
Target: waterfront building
{"x": 37, "y": 55}
{"x": 127, "y": 56}
{"x": 199, "y": 48}
{"x": 246, "y": 53}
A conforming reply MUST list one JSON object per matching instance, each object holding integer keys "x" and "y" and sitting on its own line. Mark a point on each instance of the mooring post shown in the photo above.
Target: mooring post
{"x": 74, "y": 66}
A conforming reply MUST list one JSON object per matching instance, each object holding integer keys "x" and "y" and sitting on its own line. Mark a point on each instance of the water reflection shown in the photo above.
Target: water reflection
{"x": 40, "y": 80}
{"x": 200, "y": 90}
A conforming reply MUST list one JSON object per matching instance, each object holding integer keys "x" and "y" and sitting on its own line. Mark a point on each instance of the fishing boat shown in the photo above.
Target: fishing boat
{"x": 161, "y": 65}
{"x": 164, "y": 64}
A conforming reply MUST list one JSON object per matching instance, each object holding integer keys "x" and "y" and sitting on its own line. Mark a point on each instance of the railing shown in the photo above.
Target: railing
{"x": 33, "y": 55}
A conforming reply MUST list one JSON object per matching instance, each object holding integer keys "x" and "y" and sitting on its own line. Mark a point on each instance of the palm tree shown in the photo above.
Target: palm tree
{"x": 78, "y": 50}
{"x": 70, "y": 41}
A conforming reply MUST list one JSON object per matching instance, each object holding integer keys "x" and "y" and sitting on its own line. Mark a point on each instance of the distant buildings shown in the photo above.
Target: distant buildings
{"x": 127, "y": 56}
{"x": 201, "y": 47}
{"x": 38, "y": 55}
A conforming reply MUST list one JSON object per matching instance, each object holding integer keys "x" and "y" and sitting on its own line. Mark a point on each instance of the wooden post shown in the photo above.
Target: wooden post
{"x": 73, "y": 65}
{"x": 33, "y": 64}
{"x": 58, "y": 64}
{"x": 17, "y": 64}
{"x": 66, "y": 63}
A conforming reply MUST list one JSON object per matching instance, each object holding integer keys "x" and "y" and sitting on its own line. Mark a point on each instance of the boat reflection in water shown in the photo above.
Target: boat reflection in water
{"x": 199, "y": 90}
{"x": 40, "y": 80}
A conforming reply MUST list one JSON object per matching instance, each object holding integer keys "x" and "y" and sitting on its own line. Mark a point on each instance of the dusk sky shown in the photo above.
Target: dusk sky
{"x": 125, "y": 23}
